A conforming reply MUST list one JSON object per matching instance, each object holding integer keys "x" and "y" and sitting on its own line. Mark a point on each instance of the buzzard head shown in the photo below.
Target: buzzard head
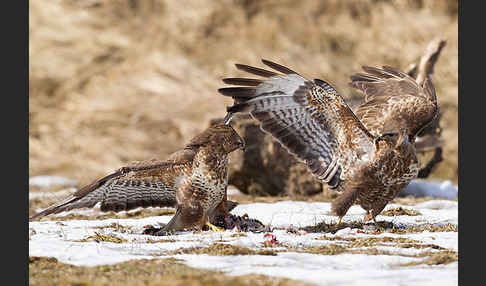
{"x": 394, "y": 139}
{"x": 219, "y": 137}
{"x": 225, "y": 135}
{"x": 389, "y": 137}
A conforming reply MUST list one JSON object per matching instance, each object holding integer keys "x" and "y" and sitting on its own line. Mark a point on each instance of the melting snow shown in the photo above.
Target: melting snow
{"x": 47, "y": 181}
{"x": 59, "y": 239}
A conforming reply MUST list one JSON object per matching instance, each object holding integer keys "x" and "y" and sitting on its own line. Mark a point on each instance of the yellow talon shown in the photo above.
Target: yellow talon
{"x": 339, "y": 220}
{"x": 213, "y": 227}
{"x": 368, "y": 216}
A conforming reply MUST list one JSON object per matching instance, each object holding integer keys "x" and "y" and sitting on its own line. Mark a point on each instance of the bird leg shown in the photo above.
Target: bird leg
{"x": 174, "y": 225}
{"x": 369, "y": 216}
{"x": 339, "y": 220}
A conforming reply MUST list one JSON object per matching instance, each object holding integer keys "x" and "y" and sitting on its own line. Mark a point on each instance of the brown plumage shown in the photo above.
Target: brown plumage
{"x": 369, "y": 154}
{"x": 194, "y": 179}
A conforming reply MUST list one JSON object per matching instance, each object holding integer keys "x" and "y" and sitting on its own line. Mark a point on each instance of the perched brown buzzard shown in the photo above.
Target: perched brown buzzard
{"x": 194, "y": 179}
{"x": 368, "y": 155}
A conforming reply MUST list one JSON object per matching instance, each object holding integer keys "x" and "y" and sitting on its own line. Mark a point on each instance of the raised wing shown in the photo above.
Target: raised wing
{"x": 140, "y": 184}
{"x": 309, "y": 118}
{"x": 394, "y": 102}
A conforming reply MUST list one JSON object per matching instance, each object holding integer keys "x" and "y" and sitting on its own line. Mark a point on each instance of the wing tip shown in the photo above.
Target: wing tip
{"x": 45, "y": 212}
{"x": 242, "y": 81}
{"x": 278, "y": 67}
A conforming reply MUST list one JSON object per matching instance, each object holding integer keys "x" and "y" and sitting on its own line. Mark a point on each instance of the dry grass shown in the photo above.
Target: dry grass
{"x": 380, "y": 227}
{"x": 116, "y": 81}
{"x": 48, "y": 271}
{"x": 400, "y": 242}
{"x": 99, "y": 237}
{"x": 444, "y": 256}
{"x": 400, "y": 211}
{"x": 438, "y": 258}
{"x": 220, "y": 249}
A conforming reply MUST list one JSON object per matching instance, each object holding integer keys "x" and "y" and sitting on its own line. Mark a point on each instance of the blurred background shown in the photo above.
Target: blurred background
{"x": 116, "y": 81}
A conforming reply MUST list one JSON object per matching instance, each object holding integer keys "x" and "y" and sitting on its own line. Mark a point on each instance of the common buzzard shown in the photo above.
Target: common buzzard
{"x": 194, "y": 179}
{"x": 368, "y": 155}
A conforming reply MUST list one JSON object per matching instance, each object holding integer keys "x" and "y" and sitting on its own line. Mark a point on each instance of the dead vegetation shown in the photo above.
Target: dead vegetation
{"x": 448, "y": 227}
{"x": 443, "y": 256}
{"x": 400, "y": 242}
{"x": 148, "y": 272}
{"x": 333, "y": 227}
{"x": 118, "y": 228}
{"x": 112, "y": 81}
{"x": 400, "y": 211}
{"x": 438, "y": 258}
{"x": 380, "y": 227}
{"x": 99, "y": 237}
{"x": 223, "y": 249}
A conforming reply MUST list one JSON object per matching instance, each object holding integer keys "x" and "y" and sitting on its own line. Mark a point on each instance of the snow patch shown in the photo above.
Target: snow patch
{"x": 62, "y": 240}
{"x": 67, "y": 241}
{"x": 47, "y": 181}
{"x": 436, "y": 189}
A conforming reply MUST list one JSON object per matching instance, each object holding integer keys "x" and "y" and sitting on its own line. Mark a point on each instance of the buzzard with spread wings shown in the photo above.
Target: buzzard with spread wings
{"x": 193, "y": 179}
{"x": 368, "y": 155}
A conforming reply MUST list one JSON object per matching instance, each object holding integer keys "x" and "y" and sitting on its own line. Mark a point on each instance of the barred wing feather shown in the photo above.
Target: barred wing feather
{"x": 309, "y": 118}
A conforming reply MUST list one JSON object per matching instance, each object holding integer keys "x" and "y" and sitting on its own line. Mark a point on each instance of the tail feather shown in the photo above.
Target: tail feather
{"x": 56, "y": 208}
{"x": 119, "y": 195}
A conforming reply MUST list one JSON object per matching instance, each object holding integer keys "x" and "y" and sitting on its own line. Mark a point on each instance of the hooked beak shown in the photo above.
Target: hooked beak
{"x": 243, "y": 145}
{"x": 383, "y": 136}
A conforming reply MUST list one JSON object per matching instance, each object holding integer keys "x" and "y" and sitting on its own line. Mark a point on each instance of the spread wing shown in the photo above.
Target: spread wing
{"x": 309, "y": 118}
{"x": 140, "y": 184}
{"x": 394, "y": 102}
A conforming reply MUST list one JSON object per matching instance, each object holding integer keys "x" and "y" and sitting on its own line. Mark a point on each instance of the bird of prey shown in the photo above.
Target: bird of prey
{"x": 193, "y": 179}
{"x": 368, "y": 155}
